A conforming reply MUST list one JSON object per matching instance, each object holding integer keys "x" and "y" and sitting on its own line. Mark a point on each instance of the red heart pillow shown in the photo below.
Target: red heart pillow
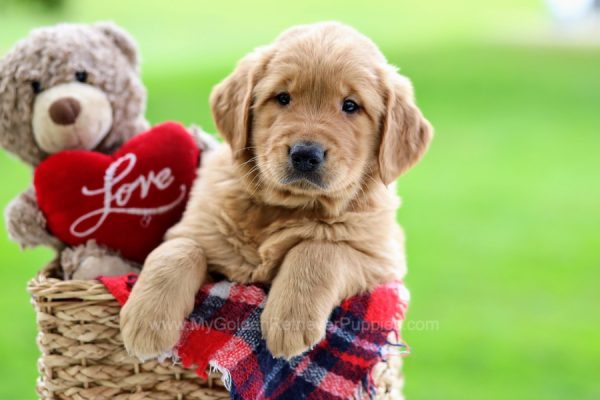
{"x": 125, "y": 201}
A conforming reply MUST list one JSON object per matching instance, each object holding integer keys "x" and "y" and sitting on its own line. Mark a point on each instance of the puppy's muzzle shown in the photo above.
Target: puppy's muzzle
{"x": 307, "y": 157}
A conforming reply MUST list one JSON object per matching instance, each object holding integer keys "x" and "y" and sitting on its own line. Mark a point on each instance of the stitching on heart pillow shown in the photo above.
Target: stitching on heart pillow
{"x": 125, "y": 201}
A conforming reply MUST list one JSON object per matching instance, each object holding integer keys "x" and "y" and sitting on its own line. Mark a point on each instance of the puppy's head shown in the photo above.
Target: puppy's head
{"x": 319, "y": 111}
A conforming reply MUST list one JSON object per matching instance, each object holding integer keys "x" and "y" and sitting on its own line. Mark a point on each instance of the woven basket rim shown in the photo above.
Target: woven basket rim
{"x": 48, "y": 284}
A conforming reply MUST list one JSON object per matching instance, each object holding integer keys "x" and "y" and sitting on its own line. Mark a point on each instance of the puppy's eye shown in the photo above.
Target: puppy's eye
{"x": 283, "y": 98}
{"x": 350, "y": 106}
{"x": 36, "y": 86}
{"x": 81, "y": 76}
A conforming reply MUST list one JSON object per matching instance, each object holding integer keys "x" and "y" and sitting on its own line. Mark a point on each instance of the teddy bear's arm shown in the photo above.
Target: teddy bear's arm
{"x": 204, "y": 141}
{"x": 26, "y": 224}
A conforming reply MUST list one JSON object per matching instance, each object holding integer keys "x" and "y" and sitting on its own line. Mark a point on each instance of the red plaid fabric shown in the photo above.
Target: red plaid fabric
{"x": 223, "y": 332}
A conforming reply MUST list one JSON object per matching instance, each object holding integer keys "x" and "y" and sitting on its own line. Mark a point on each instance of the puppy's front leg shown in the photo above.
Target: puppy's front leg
{"x": 310, "y": 283}
{"x": 162, "y": 297}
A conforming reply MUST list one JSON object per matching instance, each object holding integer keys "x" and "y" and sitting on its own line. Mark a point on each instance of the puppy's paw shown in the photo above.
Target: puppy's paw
{"x": 289, "y": 333}
{"x": 148, "y": 329}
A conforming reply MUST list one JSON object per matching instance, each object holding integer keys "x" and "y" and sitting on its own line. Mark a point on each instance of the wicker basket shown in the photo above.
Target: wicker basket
{"x": 82, "y": 355}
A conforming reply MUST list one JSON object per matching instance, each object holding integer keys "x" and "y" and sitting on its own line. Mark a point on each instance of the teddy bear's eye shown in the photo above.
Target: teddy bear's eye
{"x": 81, "y": 76}
{"x": 36, "y": 86}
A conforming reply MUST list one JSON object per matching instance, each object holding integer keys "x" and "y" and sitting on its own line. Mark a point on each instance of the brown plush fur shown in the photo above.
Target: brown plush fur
{"x": 52, "y": 56}
{"x": 317, "y": 244}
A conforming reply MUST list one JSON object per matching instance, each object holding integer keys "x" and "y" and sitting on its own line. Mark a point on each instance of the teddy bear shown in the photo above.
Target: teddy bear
{"x": 65, "y": 87}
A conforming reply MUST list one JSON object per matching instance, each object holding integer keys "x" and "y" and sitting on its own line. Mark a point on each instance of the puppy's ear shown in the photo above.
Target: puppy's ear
{"x": 231, "y": 100}
{"x": 405, "y": 132}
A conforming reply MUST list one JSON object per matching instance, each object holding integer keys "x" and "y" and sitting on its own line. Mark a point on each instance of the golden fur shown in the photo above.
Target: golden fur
{"x": 316, "y": 243}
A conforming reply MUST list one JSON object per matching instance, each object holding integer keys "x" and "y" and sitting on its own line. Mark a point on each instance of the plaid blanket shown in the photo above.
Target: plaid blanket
{"x": 223, "y": 332}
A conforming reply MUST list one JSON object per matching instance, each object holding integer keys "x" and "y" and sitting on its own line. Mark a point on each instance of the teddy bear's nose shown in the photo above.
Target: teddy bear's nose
{"x": 65, "y": 111}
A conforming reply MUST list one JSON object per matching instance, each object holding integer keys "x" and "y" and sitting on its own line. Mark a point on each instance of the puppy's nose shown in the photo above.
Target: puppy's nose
{"x": 307, "y": 156}
{"x": 65, "y": 111}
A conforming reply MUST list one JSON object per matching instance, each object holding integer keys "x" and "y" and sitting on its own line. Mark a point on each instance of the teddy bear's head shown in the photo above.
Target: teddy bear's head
{"x": 70, "y": 86}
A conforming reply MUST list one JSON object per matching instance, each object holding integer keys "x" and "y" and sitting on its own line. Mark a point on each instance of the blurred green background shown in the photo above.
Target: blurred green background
{"x": 502, "y": 216}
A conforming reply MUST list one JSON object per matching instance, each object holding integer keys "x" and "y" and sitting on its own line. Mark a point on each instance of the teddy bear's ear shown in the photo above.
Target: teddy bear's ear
{"x": 122, "y": 40}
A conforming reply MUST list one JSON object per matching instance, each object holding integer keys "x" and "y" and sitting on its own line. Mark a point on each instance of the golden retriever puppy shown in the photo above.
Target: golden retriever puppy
{"x": 317, "y": 126}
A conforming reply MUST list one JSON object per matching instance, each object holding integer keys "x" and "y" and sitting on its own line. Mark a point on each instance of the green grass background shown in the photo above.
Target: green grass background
{"x": 502, "y": 216}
